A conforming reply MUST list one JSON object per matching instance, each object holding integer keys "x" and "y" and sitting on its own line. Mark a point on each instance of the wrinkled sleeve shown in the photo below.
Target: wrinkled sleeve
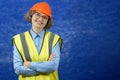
{"x": 17, "y": 63}
{"x": 48, "y": 66}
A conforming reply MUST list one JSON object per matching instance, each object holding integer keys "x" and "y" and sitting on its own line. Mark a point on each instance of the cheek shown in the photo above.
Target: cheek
{"x": 46, "y": 21}
{"x": 32, "y": 20}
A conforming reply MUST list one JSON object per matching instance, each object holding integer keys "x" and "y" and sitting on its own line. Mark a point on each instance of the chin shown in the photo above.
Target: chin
{"x": 37, "y": 25}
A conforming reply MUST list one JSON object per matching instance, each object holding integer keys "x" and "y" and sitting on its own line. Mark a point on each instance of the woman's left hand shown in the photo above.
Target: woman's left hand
{"x": 27, "y": 64}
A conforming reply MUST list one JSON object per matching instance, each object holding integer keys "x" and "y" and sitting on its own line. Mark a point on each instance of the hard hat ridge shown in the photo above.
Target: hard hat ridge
{"x": 42, "y": 7}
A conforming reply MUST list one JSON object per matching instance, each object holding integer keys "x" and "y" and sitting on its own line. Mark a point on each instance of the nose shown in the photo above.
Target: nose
{"x": 40, "y": 19}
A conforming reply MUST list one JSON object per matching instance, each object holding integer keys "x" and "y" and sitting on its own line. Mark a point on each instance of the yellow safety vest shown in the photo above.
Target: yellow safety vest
{"x": 35, "y": 56}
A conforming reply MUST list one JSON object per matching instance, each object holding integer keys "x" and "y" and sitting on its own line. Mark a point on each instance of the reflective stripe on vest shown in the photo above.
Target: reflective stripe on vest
{"x": 25, "y": 48}
{"x": 35, "y": 56}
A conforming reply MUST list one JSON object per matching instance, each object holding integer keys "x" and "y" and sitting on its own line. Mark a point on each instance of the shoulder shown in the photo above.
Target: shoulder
{"x": 17, "y": 35}
{"x": 56, "y": 35}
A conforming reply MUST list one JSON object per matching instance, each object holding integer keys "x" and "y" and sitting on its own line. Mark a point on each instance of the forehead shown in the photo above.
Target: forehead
{"x": 41, "y": 14}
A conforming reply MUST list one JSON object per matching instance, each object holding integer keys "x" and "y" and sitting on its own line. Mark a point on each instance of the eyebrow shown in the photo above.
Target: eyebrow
{"x": 42, "y": 14}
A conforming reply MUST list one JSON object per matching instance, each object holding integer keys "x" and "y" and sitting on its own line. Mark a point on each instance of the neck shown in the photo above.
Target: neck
{"x": 36, "y": 30}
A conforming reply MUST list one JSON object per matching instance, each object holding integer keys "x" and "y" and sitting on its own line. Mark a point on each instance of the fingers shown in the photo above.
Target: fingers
{"x": 27, "y": 64}
{"x": 52, "y": 56}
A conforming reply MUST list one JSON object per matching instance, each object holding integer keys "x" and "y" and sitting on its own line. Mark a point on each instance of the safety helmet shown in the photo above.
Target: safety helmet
{"x": 42, "y": 7}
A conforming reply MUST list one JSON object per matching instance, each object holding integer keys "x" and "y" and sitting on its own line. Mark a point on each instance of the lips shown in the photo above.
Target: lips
{"x": 38, "y": 22}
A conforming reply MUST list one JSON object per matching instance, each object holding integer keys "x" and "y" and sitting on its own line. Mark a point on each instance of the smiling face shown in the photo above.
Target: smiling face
{"x": 39, "y": 21}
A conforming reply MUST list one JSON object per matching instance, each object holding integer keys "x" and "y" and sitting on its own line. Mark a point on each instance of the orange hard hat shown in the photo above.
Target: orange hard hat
{"x": 42, "y": 7}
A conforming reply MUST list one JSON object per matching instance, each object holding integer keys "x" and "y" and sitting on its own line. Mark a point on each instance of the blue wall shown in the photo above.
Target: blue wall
{"x": 90, "y": 30}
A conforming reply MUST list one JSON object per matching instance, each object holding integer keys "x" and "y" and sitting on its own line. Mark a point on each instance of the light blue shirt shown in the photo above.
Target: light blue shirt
{"x": 36, "y": 67}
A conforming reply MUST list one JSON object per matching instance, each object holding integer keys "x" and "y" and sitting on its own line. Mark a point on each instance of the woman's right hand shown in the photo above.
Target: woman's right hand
{"x": 52, "y": 56}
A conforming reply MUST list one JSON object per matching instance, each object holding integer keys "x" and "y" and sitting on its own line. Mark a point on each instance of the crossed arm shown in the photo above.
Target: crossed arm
{"x": 33, "y": 68}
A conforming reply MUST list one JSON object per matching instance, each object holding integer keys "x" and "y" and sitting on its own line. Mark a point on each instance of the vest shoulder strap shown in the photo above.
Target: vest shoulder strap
{"x": 50, "y": 42}
{"x": 25, "y": 48}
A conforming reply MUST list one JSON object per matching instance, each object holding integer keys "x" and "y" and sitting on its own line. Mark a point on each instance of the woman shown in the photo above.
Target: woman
{"x": 37, "y": 51}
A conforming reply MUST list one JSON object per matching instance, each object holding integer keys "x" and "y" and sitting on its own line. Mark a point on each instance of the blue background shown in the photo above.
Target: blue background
{"x": 90, "y": 30}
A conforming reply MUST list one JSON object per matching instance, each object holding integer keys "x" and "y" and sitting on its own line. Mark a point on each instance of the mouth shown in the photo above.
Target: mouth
{"x": 38, "y": 22}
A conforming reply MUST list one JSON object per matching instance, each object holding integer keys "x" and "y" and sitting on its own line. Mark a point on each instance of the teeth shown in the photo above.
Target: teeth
{"x": 38, "y": 22}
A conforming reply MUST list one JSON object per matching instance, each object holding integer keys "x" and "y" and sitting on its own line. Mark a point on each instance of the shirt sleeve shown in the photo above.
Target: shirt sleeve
{"x": 48, "y": 66}
{"x": 18, "y": 67}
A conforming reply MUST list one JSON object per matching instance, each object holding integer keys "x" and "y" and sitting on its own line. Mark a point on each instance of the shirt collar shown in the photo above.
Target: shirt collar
{"x": 41, "y": 34}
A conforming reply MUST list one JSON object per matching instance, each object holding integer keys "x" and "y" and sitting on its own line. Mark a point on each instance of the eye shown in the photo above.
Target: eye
{"x": 45, "y": 17}
{"x": 38, "y": 14}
